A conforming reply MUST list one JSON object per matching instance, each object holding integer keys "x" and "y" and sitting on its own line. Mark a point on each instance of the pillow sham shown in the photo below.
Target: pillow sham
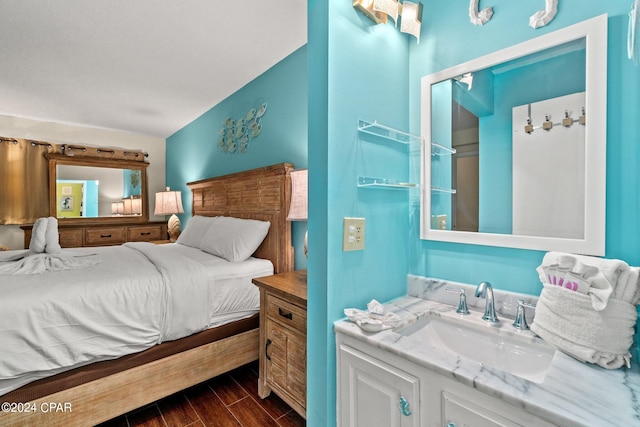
{"x": 195, "y": 230}
{"x": 234, "y": 239}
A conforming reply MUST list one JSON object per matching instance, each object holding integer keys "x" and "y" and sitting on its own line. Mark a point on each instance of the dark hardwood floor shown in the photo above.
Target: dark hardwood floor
{"x": 228, "y": 400}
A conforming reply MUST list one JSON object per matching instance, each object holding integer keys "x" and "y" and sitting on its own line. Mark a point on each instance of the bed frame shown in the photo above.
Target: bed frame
{"x": 263, "y": 194}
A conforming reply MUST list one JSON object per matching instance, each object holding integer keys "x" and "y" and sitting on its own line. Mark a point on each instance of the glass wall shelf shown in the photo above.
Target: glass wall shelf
{"x": 441, "y": 150}
{"x": 383, "y": 131}
{"x": 443, "y": 190}
{"x": 365, "y": 181}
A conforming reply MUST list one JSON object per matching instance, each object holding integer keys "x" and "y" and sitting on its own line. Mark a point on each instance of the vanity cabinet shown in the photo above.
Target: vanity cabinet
{"x": 375, "y": 387}
{"x": 81, "y": 235}
{"x": 372, "y": 392}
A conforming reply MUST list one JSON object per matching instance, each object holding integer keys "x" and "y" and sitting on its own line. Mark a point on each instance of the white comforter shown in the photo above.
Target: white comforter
{"x": 136, "y": 296}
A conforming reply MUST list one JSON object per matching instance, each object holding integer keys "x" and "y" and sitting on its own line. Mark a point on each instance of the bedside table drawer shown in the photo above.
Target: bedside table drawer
{"x": 104, "y": 236}
{"x": 144, "y": 233}
{"x": 287, "y": 314}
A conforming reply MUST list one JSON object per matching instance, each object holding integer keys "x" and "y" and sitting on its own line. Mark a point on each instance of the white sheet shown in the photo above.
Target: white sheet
{"x": 61, "y": 320}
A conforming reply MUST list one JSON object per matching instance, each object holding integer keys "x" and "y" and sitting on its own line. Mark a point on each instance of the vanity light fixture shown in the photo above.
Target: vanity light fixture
{"x": 388, "y": 7}
{"x": 366, "y": 7}
{"x": 170, "y": 203}
{"x": 378, "y": 11}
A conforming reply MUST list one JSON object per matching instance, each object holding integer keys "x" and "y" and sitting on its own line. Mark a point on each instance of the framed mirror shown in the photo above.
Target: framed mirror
{"x": 90, "y": 190}
{"x": 514, "y": 151}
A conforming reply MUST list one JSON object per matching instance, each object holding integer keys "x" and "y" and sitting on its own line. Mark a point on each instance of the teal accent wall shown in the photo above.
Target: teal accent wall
{"x": 448, "y": 38}
{"x": 192, "y": 153}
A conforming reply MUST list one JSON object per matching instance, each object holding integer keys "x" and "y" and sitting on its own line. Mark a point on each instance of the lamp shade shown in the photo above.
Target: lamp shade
{"x": 168, "y": 203}
{"x": 298, "y": 207}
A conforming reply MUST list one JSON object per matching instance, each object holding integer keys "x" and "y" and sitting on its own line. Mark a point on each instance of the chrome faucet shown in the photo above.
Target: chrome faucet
{"x": 485, "y": 290}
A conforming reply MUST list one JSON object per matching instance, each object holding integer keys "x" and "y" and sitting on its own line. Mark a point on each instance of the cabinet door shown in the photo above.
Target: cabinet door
{"x": 373, "y": 393}
{"x": 286, "y": 361}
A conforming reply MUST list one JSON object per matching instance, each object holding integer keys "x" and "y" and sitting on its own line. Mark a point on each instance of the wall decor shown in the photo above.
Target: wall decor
{"x": 537, "y": 20}
{"x": 481, "y": 17}
{"x": 235, "y": 135}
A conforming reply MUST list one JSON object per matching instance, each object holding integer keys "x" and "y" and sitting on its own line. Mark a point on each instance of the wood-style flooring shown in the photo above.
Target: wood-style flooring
{"x": 230, "y": 399}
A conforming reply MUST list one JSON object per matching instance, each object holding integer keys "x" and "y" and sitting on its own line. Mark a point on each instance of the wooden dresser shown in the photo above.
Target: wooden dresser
{"x": 283, "y": 338}
{"x": 75, "y": 236}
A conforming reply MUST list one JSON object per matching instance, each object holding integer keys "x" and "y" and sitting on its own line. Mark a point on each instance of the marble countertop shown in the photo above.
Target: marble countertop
{"x": 572, "y": 393}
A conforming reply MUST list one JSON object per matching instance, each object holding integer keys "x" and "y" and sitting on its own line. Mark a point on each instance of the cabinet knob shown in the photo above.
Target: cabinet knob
{"x": 451, "y": 425}
{"x": 403, "y": 407}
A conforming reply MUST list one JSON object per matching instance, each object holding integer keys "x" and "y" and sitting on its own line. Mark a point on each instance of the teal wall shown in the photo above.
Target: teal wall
{"x": 360, "y": 71}
{"x": 192, "y": 153}
{"x": 448, "y": 38}
{"x": 356, "y": 71}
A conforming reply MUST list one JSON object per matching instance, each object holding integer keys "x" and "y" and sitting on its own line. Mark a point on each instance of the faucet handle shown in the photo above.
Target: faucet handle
{"x": 462, "y": 303}
{"x": 521, "y": 319}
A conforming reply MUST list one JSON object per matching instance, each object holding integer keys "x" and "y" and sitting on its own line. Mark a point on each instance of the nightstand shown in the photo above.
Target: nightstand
{"x": 283, "y": 338}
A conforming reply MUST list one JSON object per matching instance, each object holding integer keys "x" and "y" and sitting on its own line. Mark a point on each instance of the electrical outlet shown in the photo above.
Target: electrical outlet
{"x": 441, "y": 222}
{"x": 353, "y": 234}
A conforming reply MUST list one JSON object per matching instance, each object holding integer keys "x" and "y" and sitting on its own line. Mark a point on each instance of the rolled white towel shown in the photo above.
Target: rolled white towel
{"x": 38, "y": 242}
{"x": 568, "y": 321}
{"x": 51, "y": 236}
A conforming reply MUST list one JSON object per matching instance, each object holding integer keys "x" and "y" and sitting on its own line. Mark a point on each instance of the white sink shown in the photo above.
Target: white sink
{"x": 496, "y": 347}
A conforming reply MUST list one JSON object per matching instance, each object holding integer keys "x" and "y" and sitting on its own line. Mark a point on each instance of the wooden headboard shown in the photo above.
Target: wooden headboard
{"x": 263, "y": 194}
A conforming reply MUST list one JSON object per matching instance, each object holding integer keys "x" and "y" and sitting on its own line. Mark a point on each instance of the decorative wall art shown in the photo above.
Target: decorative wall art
{"x": 537, "y": 20}
{"x": 235, "y": 135}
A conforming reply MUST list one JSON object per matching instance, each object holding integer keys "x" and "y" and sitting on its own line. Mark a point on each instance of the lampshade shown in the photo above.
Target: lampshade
{"x": 298, "y": 207}
{"x": 168, "y": 202}
{"x": 132, "y": 206}
{"x": 117, "y": 208}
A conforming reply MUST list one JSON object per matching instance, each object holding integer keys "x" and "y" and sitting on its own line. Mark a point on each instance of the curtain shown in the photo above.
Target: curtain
{"x": 24, "y": 180}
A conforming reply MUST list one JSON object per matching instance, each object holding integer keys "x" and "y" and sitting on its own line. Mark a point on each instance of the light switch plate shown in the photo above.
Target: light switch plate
{"x": 353, "y": 234}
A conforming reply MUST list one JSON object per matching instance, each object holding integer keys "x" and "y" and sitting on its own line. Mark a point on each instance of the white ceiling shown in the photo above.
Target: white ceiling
{"x": 142, "y": 66}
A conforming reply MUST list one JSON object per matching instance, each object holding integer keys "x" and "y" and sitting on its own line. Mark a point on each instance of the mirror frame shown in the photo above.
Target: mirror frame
{"x": 594, "y": 30}
{"x": 61, "y": 159}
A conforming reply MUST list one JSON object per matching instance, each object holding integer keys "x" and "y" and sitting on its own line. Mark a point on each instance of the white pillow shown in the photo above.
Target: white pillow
{"x": 195, "y": 230}
{"x": 234, "y": 239}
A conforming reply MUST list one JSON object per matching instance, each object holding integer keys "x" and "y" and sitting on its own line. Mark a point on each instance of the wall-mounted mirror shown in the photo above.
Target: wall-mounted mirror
{"x": 85, "y": 189}
{"x": 515, "y": 145}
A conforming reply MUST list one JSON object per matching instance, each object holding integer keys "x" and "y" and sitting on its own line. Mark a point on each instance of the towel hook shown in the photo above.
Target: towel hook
{"x": 547, "y": 125}
{"x": 567, "y": 121}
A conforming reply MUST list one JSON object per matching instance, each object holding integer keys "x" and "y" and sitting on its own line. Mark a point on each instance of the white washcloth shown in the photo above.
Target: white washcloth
{"x": 51, "y": 236}
{"x": 568, "y": 321}
{"x": 374, "y": 319}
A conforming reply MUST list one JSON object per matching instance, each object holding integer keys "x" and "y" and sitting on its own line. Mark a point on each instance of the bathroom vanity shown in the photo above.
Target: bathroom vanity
{"x": 440, "y": 368}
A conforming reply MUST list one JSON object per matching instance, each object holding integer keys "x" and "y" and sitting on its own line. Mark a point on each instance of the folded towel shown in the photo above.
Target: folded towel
{"x": 374, "y": 319}
{"x": 40, "y": 263}
{"x": 51, "y": 236}
{"x": 568, "y": 321}
{"x": 38, "y": 241}
{"x": 605, "y": 277}
{"x": 44, "y": 236}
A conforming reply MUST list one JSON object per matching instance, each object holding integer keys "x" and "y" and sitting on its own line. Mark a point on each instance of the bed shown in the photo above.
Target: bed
{"x": 96, "y": 392}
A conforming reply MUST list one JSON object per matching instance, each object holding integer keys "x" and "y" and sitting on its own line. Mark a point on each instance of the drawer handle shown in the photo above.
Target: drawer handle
{"x": 403, "y": 407}
{"x": 285, "y": 314}
{"x": 104, "y": 236}
{"x": 145, "y": 233}
{"x": 266, "y": 349}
